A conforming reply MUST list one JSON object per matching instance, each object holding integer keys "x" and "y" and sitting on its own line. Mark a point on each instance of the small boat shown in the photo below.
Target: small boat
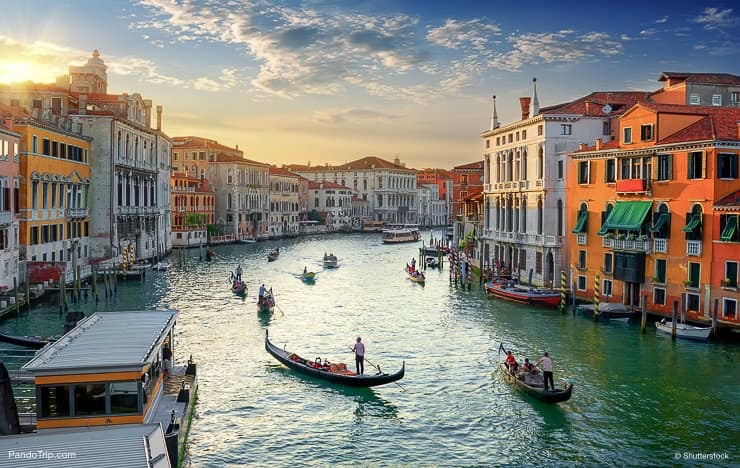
{"x": 608, "y": 311}
{"x": 272, "y": 256}
{"x": 431, "y": 262}
{"x": 308, "y": 277}
{"x": 509, "y": 291}
{"x": 266, "y": 304}
{"x": 331, "y": 261}
{"x": 416, "y": 276}
{"x": 161, "y": 266}
{"x": 35, "y": 342}
{"x": 396, "y": 236}
{"x": 239, "y": 287}
{"x": 246, "y": 240}
{"x": 533, "y": 385}
{"x": 687, "y": 332}
{"x": 337, "y": 373}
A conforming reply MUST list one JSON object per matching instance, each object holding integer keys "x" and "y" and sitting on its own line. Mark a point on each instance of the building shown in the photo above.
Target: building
{"x": 698, "y": 89}
{"x": 9, "y": 209}
{"x": 389, "y": 187}
{"x": 432, "y": 210}
{"x": 525, "y": 178}
{"x": 334, "y": 204}
{"x": 242, "y": 195}
{"x": 652, "y": 213}
{"x": 360, "y": 212}
{"x": 193, "y": 209}
{"x": 285, "y": 207}
{"x": 192, "y": 154}
{"x": 466, "y": 179}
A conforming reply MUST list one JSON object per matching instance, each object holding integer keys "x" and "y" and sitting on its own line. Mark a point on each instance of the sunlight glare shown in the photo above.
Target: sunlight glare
{"x": 18, "y": 72}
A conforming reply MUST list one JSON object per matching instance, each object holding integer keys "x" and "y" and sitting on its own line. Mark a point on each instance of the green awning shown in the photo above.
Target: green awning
{"x": 729, "y": 229}
{"x": 694, "y": 221}
{"x": 581, "y": 223}
{"x": 626, "y": 216}
{"x": 660, "y": 222}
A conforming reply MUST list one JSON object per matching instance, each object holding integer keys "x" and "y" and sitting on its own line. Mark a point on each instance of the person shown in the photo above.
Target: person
{"x": 545, "y": 363}
{"x": 413, "y": 263}
{"x": 166, "y": 359}
{"x": 511, "y": 362}
{"x": 527, "y": 366}
{"x": 239, "y": 272}
{"x": 325, "y": 256}
{"x": 305, "y": 270}
{"x": 359, "y": 351}
{"x": 261, "y": 294}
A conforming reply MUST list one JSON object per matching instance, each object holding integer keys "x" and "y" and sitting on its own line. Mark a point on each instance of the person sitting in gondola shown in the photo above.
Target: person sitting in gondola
{"x": 511, "y": 362}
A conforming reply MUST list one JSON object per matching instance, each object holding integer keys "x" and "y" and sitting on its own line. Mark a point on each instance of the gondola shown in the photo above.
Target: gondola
{"x": 416, "y": 279}
{"x": 266, "y": 304}
{"x": 239, "y": 287}
{"x": 272, "y": 256}
{"x": 336, "y": 373}
{"x": 35, "y": 342}
{"x": 536, "y": 389}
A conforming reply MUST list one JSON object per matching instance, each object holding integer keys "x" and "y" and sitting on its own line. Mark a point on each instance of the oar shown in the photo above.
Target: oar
{"x": 380, "y": 371}
{"x": 276, "y": 305}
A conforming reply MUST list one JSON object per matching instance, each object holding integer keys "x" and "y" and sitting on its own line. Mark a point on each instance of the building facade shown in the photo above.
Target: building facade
{"x": 9, "y": 212}
{"x": 333, "y": 202}
{"x": 285, "y": 207}
{"x": 193, "y": 209}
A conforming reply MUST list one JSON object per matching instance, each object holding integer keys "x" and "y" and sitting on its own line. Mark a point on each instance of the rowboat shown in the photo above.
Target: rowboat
{"x": 523, "y": 295}
{"x": 687, "y": 332}
{"x": 35, "y": 342}
{"x": 161, "y": 266}
{"x": 245, "y": 240}
{"x": 308, "y": 277}
{"x": 608, "y": 311}
{"x": 431, "y": 262}
{"x": 416, "y": 276}
{"x": 272, "y": 256}
{"x": 533, "y": 385}
{"x": 336, "y": 373}
{"x": 239, "y": 287}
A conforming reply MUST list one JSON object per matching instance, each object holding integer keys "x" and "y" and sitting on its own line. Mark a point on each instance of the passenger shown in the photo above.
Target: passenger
{"x": 166, "y": 360}
{"x": 527, "y": 366}
{"x": 511, "y": 362}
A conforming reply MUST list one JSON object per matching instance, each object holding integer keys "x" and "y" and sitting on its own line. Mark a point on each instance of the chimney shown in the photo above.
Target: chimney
{"x": 581, "y": 146}
{"x": 494, "y": 115}
{"x": 535, "y": 101}
{"x": 159, "y": 118}
{"x": 598, "y": 144}
{"x": 588, "y": 107}
{"x": 524, "y": 103}
{"x": 8, "y": 122}
{"x": 738, "y": 129}
{"x": 236, "y": 147}
{"x": 82, "y": 104}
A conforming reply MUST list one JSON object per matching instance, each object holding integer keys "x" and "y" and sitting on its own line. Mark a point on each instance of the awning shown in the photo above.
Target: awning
{"x": 694, "y": 221}
{"x": 660, "y": 222}
{"x": 581, "y": 223}
{"x": 626, "y": 216}
{"x": 729, "y": 229}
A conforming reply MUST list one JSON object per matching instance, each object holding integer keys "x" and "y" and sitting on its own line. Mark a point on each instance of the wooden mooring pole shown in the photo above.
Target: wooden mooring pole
{"x": 95, "y": 283}
{"x": 674, "y": 317}
{"x": 643, "y": 322}
{"x": 715, "y": 315}
{"x": 15, "y": 294}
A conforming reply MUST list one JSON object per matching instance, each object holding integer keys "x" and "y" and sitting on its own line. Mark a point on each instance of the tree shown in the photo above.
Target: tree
{"x": 195, "y": 219}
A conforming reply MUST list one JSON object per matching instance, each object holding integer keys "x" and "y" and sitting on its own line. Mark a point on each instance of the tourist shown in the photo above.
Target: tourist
{"x": 359, "y": 351}
{"x": 527, "y": 366}
{"x": 166, "y": 359}
{"x": 511, "y": 362}
{"x": 545, "y": 363}
{"x": 239, "y": 272}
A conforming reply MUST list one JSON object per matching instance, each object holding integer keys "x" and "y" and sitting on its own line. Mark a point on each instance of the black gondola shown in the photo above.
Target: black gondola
{"x": 348, "y": 378}
{"x": 34, "y": 342}
{"x": 536, "y": 390}
{"x": 272, "y": 256}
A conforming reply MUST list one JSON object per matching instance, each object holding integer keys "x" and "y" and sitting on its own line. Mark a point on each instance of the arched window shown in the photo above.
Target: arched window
{"x": 539, "y": 216}
{"x": 517, "y": 167}
{"x": 541, "y": 163}
{"x": 693, "y": 228}
{"x": 524, "y": 165}
{"x": 510, "y": 167}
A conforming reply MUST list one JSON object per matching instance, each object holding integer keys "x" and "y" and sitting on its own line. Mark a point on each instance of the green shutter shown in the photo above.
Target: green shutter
{"x": 729, "y": 229}
{"x": 670, "y": 166}
{"x": 660, "y": 270}
{"x": 660, "y": 222}
{"x": 694, "y": 272}
{"x": 581, "y": 223}
{"x": 693, "y": 222}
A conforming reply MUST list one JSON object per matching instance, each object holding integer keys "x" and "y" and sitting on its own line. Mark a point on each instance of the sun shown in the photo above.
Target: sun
{"x": 13, "y": 71}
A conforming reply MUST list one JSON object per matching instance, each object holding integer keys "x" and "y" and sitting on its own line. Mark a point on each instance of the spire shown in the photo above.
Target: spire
{"x": 494, "y": 115}
{"x": 535, "y": 101}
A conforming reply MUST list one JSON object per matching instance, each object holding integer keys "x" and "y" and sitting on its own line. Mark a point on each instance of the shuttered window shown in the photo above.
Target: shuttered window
{"x": 664, "y": 168}
{"x": 697, "y": 165}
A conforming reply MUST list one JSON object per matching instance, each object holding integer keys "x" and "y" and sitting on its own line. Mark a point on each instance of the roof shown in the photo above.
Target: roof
{"x": 13, "y": 112}
{"x": 227, "y": 158}
{"x": 473, "y": 165}
{"x": 108, "y": 446}
{"x": 731, "y": 201}
{"x": 97, "y": 344}
{"x": 475, "y": 194}
{"x": 592, "y": 104}
{"x": 31, "y": 86}
{"x": 183, "y": 142}
{"x": 367, "y": 163}
{"x": 706, "y": 78}
{"x": 274, "y": 170}
{"x": 317, "y": 185}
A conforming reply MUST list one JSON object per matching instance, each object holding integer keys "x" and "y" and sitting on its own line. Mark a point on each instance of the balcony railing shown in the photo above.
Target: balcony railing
{"x": 693, "y": 247}
{"x": 660, "y": 245}
{"x": 76, "y": 213}
{"x": 581, "y": 238}
{"x": 627, "y": 244}
{"x": 6, "y": 218}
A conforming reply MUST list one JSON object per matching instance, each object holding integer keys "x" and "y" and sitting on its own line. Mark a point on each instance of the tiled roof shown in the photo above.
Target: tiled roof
{"x": 13, "y": 112}
{"x": 369, "y": 162}
{"x": 730, "y": 201}
{"x": 227, "y": 158}
{"x": 274, "y": 170}
{"x": 706, "y": 78}
{"x": 102, "y": 98}
{"x": 327, "y": 185}
{"x": 593, "y": 103}
{"x": 199, "y": 142}
{"x": 719, "y": 124}
{"x": 472, "y": 165}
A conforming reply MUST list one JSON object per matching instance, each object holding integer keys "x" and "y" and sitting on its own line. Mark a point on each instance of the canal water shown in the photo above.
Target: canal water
{"x": 638, "y": 399}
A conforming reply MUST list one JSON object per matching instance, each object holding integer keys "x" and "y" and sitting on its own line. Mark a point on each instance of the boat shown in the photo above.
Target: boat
{"x": 533, "y": 386}
{"x": 608, "y": 311}
{"x": 397, "y": 236}
{"x": 331, "y": 261}
{"x": 687, "y": 332}
{"x": 415, "y": 275}
{"x": 308, "y": 277}
{"x": 239, "y": 287}
{"x": 272, "y": 256}
{"x": 246, "y": 240}
{"x": 431, "y": 262}
{"x": 266, "y": 304}
{"x": 161, "y": 266}
{"x": 509, "y": 291}
{"x": 35, "y": 342}
{"x": 337, "y": 373}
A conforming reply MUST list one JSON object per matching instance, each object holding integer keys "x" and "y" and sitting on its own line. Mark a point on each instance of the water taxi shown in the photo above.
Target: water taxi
{"x": 396, "y": 234}
{"x": 373, "y": 226}
{"x": 96, "y": 377}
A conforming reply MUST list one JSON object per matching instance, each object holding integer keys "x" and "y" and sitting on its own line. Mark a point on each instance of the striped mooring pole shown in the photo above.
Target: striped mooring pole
{"x": 596, "y": 296}
{"x": 562, "y": 291}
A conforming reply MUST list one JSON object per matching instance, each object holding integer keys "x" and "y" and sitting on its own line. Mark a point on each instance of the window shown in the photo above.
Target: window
{"x": 498, "y": 141}
{"x": 716, "y": 99}
{"x": 511, "y": 137}
{"x": 694, "y": 275}
{"x": 692, "y": 302}
{"x": 89, "y": 399}
{"x": 174, "y": 156}
{"x": 606, "y": 287}
{"x": 202, "y": 155}
{"x": 734, "y": 98}
{"x": 36, "y": 104}
{"x": 581, "y": 283}
{"x": 608, "y": 263}
{"x": 610, "y": 171}
{"x": 46, "y": 147}
{"x": 627, "y": 135}
{"x": 560, "y": 169}
{"x": 124, "y": 397}
{"x": 55, "y": 402}
{"x": 539, "y": 130}
{"x": 35, "y": 144}
{"x": 606, "y": 128}
{"x": 659, "y": 276}
{"x": 665, "y": 167}
{"x": 694, "y": 100}
{"x": 659, "y": 296}
{"x": 581, "y": 259}
{"x": 729, "y": 308}
{"x": 56, "y": 106}
{"x": 566, "y": 129}
{"x": 583, "y": 172}
{"x": 697, "y": 165}
{"x": 727, "y": 166}
{"x": 524, "y": 134}
{"x": 730, "y": 279}
{"x": 538, "y": 263}
{"x": 729, "y": 228}
{"x": 646, "y": 132}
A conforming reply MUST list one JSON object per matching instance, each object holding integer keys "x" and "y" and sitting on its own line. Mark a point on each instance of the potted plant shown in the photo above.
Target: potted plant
{"x": 643, "y": 237}
{"x": 727, "y": 282}
{"x": 656, "y": 279}
{"x": 687, "y": 283}
{"x": 609, "y": 235}
{"x": 630, "y": 236}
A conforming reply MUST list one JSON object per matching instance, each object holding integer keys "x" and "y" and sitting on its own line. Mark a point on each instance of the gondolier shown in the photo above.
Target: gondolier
{"x": 359, "y": 351}
{"x": 545, "y": 363}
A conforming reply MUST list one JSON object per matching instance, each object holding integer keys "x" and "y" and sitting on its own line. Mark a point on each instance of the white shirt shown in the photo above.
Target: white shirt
{"x": 359, "y": 348}
{"x": 546, "y": 363}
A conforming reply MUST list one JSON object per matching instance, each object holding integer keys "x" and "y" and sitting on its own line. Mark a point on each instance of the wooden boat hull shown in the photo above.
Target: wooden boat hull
{"x": 25, "y": 341}
{"x": 309, "y": 277}
{"x": 556, "y": 396}
{"x": 239, "y": 289}
{"x": 416, "y": 279}
{"x": 687, "y": 332}
{"x": 331, "y": 264}
{"x": 524, "y": 296}
{"x": 265, "y": 308}
{"x": 272, "y": 258}
{"x": 351, "y": 380}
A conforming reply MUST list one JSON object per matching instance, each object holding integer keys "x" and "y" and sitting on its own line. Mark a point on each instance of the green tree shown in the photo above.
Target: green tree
{"x": 195, "y": 219}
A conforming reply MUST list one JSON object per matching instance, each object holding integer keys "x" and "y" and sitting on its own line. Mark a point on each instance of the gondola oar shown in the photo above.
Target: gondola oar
{"x": 275, "y": 302}
{"x": 380, "y": 371}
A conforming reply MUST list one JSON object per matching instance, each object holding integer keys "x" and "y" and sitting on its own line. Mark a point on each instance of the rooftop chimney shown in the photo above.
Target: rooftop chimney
{"x": 535, "y": 101}
{"x": 159, "y": 118}
{"x": 598, "y": 144}
{"x": 82, "y": 102}
{"x": 524, "y": 103}
{"x": 581, "y": 146}
{"x": 494, "y": 115}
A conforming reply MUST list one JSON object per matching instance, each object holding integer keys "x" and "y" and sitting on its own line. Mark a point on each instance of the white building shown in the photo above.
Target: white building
{"x": 285, "y": 206}
{"x": 524, "y": 179}
{"x": 431, "y": 210}
{"x": 334, "y": 202}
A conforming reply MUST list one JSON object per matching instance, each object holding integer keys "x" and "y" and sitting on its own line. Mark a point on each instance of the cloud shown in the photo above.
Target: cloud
{"x": 662, "y": 20}
{"x": 714, "y": 18}
{"x": 341, "y": 116}
{"x": 455, "y": 34}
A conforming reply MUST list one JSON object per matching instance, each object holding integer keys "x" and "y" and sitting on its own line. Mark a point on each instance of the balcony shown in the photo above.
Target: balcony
{"x": 76, "y": 212}
{"x": 660, "y": 245}
{"x": 633, "y": 186}
{"x": 627, "y": 245}
{"x": 6, "y": 218}
{"x": 581, "y": 238}
{"x": 693, "y": 248}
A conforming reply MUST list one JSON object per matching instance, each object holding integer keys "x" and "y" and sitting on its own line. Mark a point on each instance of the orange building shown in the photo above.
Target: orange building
{"x": 726, "y": 256}
{"x": 466, "y": 179}
{"x": 642, "y": 208}
{"x": 193, "y": 208}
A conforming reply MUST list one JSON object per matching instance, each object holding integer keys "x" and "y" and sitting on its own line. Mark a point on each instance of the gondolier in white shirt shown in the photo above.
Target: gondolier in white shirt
{"x": 545, "y": 363}
{"x": 359, "y": 351}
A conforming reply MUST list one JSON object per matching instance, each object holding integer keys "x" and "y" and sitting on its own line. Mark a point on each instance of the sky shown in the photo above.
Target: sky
{"x": 333, "y": 81}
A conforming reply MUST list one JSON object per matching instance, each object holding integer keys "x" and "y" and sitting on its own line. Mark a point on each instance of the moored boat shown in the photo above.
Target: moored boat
{"x": 161, "y": 266}
{"x": 687, "y": 332}
{"x": 509, "y": 291}
{"x": 246, "y": 240}
{"x": 337, "y": 372}
{"x": 608, "y": 311}
{"x": 35, "y": 342}
{"x": 532, "y": 384}
{"x": 431, "y": 262}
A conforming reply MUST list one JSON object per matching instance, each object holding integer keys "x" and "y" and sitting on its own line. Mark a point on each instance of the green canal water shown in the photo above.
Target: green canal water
{"x": 638, "y": 399}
